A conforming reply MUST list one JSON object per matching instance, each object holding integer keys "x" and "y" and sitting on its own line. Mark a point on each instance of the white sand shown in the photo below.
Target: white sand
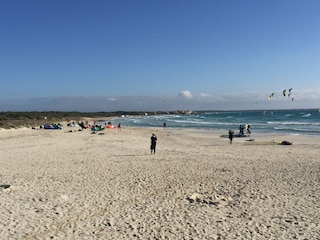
{"x": 197, "y": 186}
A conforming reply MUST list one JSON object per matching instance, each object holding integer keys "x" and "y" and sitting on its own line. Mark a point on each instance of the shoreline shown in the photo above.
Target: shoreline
{"x": 285, "y": 126}
{"x": 209, "y": 133}
{"x": 253, "y": 138}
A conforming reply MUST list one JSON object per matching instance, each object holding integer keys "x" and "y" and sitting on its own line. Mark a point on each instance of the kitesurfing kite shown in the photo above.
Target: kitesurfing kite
{"x": 284, "y": 92}
{"x": 289, "y": 92}
{"x": 271, "y": 96}
{"x": 164, "y": 100}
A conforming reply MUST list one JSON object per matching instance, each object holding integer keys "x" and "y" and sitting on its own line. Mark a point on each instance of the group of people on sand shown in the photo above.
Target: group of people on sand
{"x": 241, "y": 131}
{"x": 106, "y": 125}
{"x": 242, "y": 127}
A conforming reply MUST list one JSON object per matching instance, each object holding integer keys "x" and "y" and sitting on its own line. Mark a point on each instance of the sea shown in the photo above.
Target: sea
{"x": 295, "y": 122}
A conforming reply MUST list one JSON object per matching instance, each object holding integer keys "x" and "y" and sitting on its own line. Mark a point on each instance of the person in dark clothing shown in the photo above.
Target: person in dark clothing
{"x": 230, "y": 135}
{"x": 248, "y": 128}
{"x": 81, "y": 124}
{"x": 241, "y": 128}
{"x": 153, "y": 143}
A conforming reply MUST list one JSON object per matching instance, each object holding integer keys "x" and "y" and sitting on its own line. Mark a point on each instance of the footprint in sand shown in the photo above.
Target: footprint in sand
{"x": 209, "y": 199}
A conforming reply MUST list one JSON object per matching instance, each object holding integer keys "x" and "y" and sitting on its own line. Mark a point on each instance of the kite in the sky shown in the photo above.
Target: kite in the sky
{"x": 271, "y": 96}
{"x": 284, "y": 92}
{"x": 289, "y": 92}
{"x": 164, "y": 100}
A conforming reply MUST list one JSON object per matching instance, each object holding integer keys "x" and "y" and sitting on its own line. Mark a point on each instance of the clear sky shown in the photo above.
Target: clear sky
{"x": 159, "y": 55}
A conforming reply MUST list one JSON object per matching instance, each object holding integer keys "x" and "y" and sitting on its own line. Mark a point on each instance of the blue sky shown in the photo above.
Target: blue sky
{"x": 158, "y": 55}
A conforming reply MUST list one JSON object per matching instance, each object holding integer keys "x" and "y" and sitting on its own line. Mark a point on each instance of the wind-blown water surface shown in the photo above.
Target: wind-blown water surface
{"x": 305, "y": 122}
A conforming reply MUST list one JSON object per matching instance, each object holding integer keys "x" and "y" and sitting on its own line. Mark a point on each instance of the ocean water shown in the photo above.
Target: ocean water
{"x": 298, "y": 122}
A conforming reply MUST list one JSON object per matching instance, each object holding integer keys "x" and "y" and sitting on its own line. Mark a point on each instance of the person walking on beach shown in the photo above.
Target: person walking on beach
{"x": 230, "y": 135}
{"x": 248, "y": 128}
{"x": 153, "y": 143}
{"x": 119, "y": 127}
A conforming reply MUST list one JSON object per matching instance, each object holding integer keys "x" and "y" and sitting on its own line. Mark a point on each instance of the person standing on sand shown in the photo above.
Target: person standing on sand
{"x": 153, "y": 143}
{"x": 230, "y": 135}
{"x": 248, "y": 128}
{"x": 241, "y": 128}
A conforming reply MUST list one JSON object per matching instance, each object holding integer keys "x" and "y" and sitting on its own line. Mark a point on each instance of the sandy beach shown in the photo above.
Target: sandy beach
{"x": 57, "y": 184}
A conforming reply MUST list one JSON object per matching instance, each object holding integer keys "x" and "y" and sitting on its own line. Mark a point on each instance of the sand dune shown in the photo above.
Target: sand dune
{"x": 57, "y": 184}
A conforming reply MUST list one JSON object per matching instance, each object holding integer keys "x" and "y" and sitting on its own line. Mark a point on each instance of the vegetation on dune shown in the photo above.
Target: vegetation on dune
{"x": 35, "y": 119}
